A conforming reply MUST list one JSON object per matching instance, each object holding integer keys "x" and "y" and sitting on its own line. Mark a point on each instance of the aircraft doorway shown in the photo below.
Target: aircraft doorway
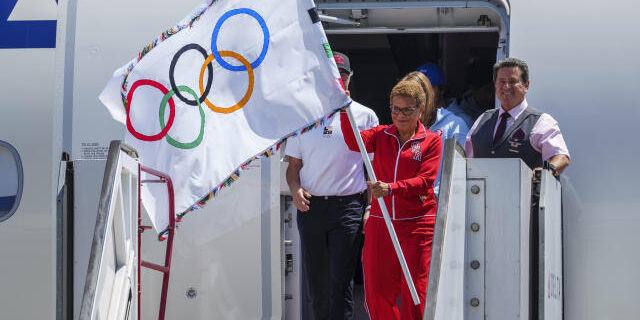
{"x": 380, "y": 60}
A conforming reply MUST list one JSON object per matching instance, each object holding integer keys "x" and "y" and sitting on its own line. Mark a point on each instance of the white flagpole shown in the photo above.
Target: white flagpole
{"x": 385, "y": 213}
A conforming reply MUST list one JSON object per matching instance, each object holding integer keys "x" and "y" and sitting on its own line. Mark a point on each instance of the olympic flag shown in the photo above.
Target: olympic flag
{"x": 222, "y": 88}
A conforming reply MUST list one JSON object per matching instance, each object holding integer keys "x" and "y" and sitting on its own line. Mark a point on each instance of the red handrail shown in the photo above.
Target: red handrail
{"x": 166, "y": 269}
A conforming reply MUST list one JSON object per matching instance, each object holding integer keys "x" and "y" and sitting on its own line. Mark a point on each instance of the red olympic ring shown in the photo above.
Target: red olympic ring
{"x": 172, "y": 110}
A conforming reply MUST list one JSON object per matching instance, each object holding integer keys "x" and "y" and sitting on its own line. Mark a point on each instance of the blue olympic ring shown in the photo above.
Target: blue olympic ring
{"x": 216, "y": 30}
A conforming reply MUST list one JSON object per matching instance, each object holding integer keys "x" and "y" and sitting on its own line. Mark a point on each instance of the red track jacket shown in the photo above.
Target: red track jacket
{"x": 410, "y": 172}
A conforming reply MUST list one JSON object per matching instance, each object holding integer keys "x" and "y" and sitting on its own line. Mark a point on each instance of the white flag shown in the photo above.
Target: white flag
{"x": 221, "y": 89}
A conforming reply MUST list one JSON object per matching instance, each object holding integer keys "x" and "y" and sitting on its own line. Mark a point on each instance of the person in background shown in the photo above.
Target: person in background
{"x": 406, "y": 161}
{"x": 445, "y": 123}
{"x": 480, "y": 95}
{"x": 328, "y": 187}
{"x": 436, "y": 77}
{"x": 428, "y": 117}
{"x": 517, "y": 130}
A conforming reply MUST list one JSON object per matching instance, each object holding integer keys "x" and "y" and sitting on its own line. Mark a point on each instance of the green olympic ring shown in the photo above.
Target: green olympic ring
{"x": 163, "y": 104}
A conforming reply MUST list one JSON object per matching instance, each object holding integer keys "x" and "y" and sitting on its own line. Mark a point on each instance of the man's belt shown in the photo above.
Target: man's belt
{"x": 351, "y": 196}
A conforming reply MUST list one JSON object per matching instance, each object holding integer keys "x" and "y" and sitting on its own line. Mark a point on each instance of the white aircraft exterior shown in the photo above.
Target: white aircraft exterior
{"x": 56, "y": 57}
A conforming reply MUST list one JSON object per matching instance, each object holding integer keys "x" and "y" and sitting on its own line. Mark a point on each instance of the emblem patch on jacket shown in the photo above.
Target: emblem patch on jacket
{"x": 415, "y": 149}
{"x": 518, "y": 134}
{"x": 516, "y": 140}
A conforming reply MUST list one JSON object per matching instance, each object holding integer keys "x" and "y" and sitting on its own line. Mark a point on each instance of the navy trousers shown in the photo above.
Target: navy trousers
{"x": 331, "y": 233}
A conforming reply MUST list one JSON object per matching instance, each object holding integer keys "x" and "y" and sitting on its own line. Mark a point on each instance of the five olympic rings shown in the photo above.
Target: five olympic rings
{"x": 177, "y": 90}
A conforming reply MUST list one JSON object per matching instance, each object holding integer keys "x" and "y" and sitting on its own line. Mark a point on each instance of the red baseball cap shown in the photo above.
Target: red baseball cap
{"x": 342, "y": 61}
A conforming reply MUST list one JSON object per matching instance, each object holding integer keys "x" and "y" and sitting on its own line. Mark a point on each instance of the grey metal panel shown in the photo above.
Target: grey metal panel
{"x": 525, "y": 240}
{"x": 550, "y": 277}
{"x": 502, "y": 9}
{"x": 87, "y": 176}
{"x": 474, "y": 281}
{"x": 277, "y": 240}
{"x": 66, "y": 38}
{"x": 411, "y": 30}
{"x": 445, "y": 289}
{"x": 508, "y": 185}
{"x": 409, "y": 4}
{"x": 265, "y": 232}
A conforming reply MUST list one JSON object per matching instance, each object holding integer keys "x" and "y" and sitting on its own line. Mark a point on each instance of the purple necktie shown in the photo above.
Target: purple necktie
{"x": 501, "y": 127}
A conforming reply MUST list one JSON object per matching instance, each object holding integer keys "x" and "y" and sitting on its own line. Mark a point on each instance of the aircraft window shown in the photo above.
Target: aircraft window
{"x": 10, "y": 180}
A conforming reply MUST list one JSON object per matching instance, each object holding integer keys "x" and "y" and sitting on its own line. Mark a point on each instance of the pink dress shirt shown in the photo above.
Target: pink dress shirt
{"x": 545, "y": 138}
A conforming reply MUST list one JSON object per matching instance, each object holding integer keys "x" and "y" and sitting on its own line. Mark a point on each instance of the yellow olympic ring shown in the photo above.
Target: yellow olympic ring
{"x": 247, "y": 95}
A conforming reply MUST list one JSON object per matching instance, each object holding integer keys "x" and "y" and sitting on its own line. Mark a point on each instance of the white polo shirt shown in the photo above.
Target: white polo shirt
{"x": 329, "y": 168}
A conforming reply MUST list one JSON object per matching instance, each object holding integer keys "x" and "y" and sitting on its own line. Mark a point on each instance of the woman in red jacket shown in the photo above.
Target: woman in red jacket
{"x": 406, "y": 162}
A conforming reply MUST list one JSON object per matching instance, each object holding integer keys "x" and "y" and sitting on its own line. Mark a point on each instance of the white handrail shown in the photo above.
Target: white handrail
{"x": 111, "y": 275}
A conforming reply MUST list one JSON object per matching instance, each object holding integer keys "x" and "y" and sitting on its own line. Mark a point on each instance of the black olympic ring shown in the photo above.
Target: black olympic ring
{"x": 172, "y": 68}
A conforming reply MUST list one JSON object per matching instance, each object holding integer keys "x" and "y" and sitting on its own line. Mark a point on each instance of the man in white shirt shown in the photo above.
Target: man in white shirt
{"x": 516, "y": 130}
{"x": 327, "y": 183}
